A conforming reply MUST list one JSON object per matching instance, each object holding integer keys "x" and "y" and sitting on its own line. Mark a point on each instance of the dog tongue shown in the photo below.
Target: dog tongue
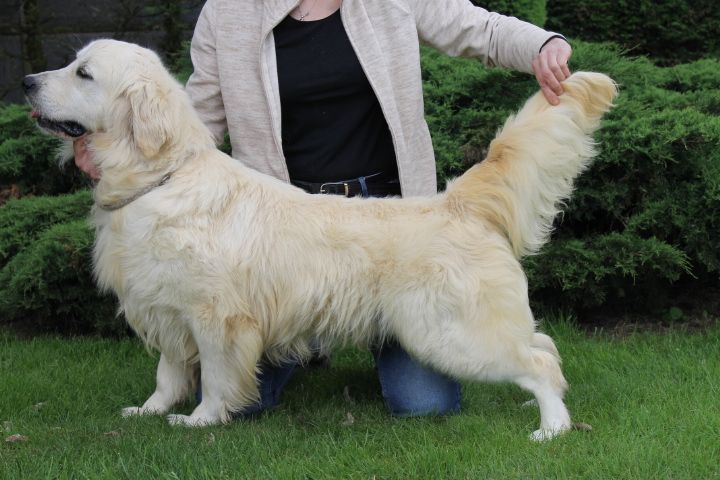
{"x": 34, "y": 114}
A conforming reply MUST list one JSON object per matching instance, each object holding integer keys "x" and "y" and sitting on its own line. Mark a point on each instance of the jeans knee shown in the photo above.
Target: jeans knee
{"x": 440, "y": 400}
{"x": 410, "y": 389}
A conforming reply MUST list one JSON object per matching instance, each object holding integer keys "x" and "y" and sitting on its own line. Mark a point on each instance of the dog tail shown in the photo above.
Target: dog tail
{"x": 533, "y": 161}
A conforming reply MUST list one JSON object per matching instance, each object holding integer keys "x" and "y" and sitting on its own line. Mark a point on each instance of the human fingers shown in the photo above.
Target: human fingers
{"x": 550, "y": 96}
{"x": 563, "y": 57}
{"x": 79, "y": 147}
{"x": 83, "y": 160}
{"x": 553, "y": 72}
{"x": 549, "y": 84}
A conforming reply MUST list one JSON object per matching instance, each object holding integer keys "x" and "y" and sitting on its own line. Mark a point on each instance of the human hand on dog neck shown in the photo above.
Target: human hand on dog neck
{"x": 82, "y": 159}
{"x": 551, "y": 67}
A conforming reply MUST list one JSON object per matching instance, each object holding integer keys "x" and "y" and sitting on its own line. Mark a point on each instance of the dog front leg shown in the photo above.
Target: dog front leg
{"x": 228, "y": 378}
{"x": 175, "y": 380}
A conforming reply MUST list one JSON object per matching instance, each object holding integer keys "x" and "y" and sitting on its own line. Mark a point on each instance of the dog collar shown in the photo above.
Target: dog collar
{"x": 112, "y": 206}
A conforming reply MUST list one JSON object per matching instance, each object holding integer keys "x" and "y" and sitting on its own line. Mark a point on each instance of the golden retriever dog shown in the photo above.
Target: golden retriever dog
{"x": 216, "y": 265}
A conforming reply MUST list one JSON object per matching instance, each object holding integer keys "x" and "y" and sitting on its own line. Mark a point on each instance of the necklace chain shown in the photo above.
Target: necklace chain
{"x": 302, "y": 16}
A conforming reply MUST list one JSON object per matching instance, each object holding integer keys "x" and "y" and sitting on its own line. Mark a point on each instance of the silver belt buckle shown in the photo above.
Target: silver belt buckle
{"x": 344, "y": 184}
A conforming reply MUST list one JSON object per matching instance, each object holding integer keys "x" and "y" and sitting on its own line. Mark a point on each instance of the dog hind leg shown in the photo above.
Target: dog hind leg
{"x": 501, "y": 346}
{"x": 545, "y": 380}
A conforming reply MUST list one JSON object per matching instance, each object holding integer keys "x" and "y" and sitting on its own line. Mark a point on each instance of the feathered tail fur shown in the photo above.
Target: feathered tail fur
{"x": 533, "y": 161}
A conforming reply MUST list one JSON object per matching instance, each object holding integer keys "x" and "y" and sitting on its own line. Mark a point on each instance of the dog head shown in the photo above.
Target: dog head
{"x": 112, "y": 87}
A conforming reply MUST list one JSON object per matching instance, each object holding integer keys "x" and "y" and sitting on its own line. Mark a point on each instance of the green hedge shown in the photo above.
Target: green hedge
{"x": 23, "y": 220}
{"x": 48, "y": 286}
{"x": 669, "y": 32}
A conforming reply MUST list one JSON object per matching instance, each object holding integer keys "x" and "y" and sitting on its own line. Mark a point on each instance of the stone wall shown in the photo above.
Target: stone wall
{"x": 64, "y": 26}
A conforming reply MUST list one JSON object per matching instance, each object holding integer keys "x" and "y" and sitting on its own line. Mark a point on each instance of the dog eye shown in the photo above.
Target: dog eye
{"x": 82, "y": 73}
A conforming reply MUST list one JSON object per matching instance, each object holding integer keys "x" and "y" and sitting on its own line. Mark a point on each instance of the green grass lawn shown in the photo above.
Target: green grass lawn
{"x": 651, "y": 398}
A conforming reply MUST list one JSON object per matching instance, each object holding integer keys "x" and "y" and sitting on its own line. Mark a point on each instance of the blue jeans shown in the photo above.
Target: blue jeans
{"x": 409, "y": 389}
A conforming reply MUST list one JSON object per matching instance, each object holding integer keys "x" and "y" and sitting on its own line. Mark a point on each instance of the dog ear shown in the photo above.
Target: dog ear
{"x": 150, "y": 116}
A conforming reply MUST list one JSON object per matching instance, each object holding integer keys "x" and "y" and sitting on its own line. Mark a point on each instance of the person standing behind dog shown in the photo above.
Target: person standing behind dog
{"x": 327, "y": 95}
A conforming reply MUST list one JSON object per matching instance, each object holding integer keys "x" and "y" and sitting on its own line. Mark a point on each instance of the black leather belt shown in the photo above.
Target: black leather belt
{"x": 375, "y": 185}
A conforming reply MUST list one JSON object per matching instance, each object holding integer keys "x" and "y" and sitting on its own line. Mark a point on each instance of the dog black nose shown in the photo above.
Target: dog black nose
{"x": 29, "y": 84}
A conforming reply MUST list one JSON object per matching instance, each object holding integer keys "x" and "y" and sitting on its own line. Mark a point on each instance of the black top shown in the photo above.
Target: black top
{"x": 332, "y": 125}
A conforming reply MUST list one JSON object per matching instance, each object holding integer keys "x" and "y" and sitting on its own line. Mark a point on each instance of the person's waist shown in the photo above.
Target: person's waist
{"x": 374, "y": 185}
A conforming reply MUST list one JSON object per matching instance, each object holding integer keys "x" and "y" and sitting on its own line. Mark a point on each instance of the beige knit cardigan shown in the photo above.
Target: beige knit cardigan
{"x": 234, "y": 85}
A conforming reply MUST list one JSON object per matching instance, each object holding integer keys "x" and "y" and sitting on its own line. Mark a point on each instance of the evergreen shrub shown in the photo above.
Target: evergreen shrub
{"x": 23, "y": 220}
{"x": 669, "y": 32}
{"x": 48, "y": 286}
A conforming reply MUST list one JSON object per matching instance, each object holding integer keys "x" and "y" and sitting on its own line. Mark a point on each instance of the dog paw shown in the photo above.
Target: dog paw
{"x": 190, "y": 421}
{"x": 137, "y": 411}
{"x": 132, "y": 412}
{"x": 544, "y": 434}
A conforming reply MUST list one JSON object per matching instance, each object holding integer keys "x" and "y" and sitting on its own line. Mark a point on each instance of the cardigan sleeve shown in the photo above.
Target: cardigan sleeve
{"x": 203, "y": 86}
{"x": 459, "y": 28}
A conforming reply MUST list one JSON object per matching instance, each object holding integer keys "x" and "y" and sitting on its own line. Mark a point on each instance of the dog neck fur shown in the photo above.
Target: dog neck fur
{"x": 144, "y": 139}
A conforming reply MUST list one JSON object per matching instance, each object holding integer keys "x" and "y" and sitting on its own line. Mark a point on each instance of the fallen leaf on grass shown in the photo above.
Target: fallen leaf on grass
{"x": 585, "y": 427}
{"x": 349, "y": 420}
{"x": 112, "y": 433}
{"x": 7, "y": 426}
{"x": 39, "y": 406}
{"x": 211, "y": 438}
{"x": 17, "y": 438}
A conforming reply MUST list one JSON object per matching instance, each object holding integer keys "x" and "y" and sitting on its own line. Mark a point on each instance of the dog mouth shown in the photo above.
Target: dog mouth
{"x": 67, "y": 128}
